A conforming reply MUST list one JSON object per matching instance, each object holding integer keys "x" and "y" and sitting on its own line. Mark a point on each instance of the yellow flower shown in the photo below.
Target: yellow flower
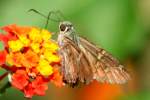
{"x": 44, "y": 67}
{"x": 15, "y": 45}
{"x": 24, "y": 40}
{"x": 49, "y": 45}
{"x": 35, "y": 36}
{"x": 51, "y": 57}
{"x": 35, "y": 47}
{"x": 46, "y": 35}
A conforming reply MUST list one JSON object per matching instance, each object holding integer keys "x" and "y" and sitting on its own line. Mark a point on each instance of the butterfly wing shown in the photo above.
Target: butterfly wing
{"x": 75, "y": 66}
{"x": 105, "y": 67}
{"x": 83, "y": 62}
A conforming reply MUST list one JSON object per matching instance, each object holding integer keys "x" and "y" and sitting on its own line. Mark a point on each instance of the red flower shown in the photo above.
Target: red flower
{"x": 17, "y": 30}
{"x": 39, "y": 86}
{"x": 28, "y": 91}
{"x": 6, "y": 37}
{"x": 36, "y": 87}
{"x": 20, "y": 79}
{"x": 3, "y": 38}
{"x": 2, "y": 57}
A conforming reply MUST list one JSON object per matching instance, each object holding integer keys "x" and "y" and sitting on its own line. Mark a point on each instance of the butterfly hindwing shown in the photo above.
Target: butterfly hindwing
{"x": 108, "y": 69}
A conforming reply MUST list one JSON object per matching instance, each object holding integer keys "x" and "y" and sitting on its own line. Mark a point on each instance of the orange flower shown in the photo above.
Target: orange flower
{"x": 31, "y": 59}
{"x": 18, "y": 59}
{"x": 56, "y": 78}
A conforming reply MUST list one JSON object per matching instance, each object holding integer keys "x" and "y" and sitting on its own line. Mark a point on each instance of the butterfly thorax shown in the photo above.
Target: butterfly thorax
{"x": 67, "y": 30}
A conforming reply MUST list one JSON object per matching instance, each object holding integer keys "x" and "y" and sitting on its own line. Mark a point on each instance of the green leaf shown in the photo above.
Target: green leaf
{"x": 4, "y": 87}
{"x": 4, "y": 83}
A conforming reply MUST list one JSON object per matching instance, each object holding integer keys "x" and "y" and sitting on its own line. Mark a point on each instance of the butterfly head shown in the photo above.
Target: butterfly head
{"x": 65, "y": 26}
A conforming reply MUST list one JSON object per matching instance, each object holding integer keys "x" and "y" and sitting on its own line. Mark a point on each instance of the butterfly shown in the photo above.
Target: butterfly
{"x": 83, "y": 61}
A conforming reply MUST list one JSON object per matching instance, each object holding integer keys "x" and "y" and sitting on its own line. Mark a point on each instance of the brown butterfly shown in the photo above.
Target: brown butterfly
{"x": 82, "y": 61}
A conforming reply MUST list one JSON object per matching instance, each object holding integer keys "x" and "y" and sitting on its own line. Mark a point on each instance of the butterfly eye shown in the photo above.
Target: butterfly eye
{"x": 62, "y": 27}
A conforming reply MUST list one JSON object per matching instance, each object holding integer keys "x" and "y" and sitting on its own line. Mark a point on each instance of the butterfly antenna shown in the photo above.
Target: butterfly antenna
{"x": 33, "y": 10}
{"x": 60, "y": 15}
{"x": 51, "y": 12}
{"x": 48, "y": 17}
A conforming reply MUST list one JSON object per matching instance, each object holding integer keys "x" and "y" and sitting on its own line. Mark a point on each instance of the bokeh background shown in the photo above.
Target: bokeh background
{"x": 122, "y": 27}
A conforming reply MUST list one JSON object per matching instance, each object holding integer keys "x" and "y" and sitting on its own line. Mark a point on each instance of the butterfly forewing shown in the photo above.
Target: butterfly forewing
{"x": 75, "y": 67}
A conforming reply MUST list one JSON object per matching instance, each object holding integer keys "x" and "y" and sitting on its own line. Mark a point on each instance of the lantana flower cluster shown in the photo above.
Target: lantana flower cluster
{"x": 30, "y": 56}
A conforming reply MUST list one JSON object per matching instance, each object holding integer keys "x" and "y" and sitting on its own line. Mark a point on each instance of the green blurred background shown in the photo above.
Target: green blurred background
{"x": 122, "y": 27}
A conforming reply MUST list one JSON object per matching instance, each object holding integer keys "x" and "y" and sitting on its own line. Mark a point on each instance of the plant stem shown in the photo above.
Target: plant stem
{"x": 3, "y": 76}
